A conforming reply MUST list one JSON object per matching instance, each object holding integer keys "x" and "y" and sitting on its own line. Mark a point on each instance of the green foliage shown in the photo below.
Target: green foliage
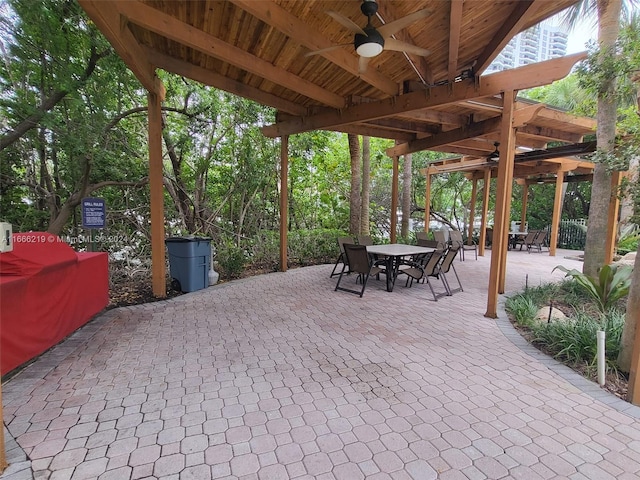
{"x": 628, "y": 241}
{"x": 523, "y": 308}
{"x": 231, "y": 260}
{"x": 613, "y": 283}
{"x": 575, "y": 339}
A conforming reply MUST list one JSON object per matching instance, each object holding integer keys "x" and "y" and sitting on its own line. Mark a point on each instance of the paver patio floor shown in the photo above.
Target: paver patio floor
{"x": 278, "y": 376}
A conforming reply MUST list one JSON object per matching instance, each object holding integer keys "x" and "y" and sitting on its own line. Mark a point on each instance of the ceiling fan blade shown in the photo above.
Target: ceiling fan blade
{"x": 397, "y": 25}
{"x": 398, "y": 46}
{"x": 362, "y": 64}
{"x": 346, "y": 22}
{"x": 324, "y": 50}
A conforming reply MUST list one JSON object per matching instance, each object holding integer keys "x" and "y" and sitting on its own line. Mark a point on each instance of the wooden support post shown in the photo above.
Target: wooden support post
{"x": 612, "y": 217}
{"x": 503, "y": 202}
{"x": 427, "y": 202}
{"x": 557, "y": 212}
{"x": 485, "y": 210}
{"x": 156, "y": 187}
{"x": 284, "y": 201}
{"x": 394, "y": 201}
{"x": 472, "y": 211}
{"x": 523, "y": 213}
{"x": 506, "y": 224}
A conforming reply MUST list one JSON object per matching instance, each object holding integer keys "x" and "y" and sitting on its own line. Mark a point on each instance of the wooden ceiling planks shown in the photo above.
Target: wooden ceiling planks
{"x": 257, "y": 49}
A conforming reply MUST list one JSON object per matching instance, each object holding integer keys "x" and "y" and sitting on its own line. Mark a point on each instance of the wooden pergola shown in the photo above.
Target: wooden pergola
{"x": 256, "y": 49}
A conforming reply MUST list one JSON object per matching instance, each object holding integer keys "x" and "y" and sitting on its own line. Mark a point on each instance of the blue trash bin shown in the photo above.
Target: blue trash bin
{"x": 189, "y": 261}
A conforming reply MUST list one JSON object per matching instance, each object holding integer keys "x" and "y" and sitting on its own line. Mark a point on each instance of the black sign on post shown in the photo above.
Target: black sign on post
{"x": 94, "y": 212}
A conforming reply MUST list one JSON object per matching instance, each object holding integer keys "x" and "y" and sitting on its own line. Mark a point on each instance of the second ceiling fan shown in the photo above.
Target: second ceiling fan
{"x": 371, "y": 41}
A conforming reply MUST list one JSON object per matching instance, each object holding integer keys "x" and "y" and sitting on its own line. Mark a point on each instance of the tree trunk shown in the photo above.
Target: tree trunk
{"x": 630, "y": 319}
{"x": 594, "y": 250}
{"x": 406, "y": 195}
{"x": 366, "y": 173}
{"x": 354, "y": 198}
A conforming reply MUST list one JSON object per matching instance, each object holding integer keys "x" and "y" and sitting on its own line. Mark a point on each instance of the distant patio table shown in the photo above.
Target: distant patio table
{"x": 393, "y": 254}
{"x": 513, "y": 237}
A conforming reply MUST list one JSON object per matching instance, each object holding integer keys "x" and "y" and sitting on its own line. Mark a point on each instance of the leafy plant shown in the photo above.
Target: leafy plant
{"x": 575, "y": 339}
{"x": 611, "y": 285}
{"x": 523, "y": 309}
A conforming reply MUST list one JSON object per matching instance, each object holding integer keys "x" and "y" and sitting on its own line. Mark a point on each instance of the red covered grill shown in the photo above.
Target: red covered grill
{"x": 47, "y": 291}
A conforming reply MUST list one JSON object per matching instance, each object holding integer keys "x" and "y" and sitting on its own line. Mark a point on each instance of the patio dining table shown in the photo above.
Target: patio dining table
{"x": 513, "y": 238}
{"x": 393, "y": 254}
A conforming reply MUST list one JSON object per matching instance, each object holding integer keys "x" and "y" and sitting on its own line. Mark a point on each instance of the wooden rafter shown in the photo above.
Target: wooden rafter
{"x": 452, "y": 136}
{"x": 513, "y": 24}
{"x": 212, "y": 79}
{"x": 520, "y": 78}
{"x": 277, "y": 17}
{"x": 110, "y": 23}
{"x": 455, "y": 25}
{"x": 178, "y": 31}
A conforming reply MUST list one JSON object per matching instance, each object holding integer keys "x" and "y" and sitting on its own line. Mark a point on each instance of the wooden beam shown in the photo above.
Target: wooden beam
{"x": 633, "y": 316}
{"x": 212, "y": 79}
{"x": 437, "y": 117}
{"x": 394, "y": 200}
{"x": 156, "y": 175}
{"x": 485, "y": 210}
{"x": 586, "y": 123}
{"x": 109, "y": 23}
{"x": 455, "y": 27}
{"x": 468, "y": 131}
{"x": 528, "y": 76}
{"x": 405, "y": 125}
{"x": 555, "y": 216}
{"x": 280, "y": 19}
{"x": 369, "y": 130}
{"x": 511, "y": 26}
{"x": 503, "y": 202}
{"x": 284, "y": 202}
{"x": 549, "y": 134}
{"x": 167, "y": 26}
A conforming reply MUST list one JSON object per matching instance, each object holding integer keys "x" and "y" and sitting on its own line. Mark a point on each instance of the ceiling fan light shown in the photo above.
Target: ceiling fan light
{"x": 368, "y": 45}
{"x": 368, "y": 50}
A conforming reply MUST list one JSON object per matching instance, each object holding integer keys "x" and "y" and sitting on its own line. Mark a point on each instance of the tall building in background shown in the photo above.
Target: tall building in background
{"x": 541, "y": 42}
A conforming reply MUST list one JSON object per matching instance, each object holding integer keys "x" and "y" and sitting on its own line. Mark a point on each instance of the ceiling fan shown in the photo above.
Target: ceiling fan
{"x": 371, "y": 41}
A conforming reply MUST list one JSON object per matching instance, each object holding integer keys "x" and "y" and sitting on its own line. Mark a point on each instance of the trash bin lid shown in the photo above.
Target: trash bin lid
{"x": 190, "y": 238}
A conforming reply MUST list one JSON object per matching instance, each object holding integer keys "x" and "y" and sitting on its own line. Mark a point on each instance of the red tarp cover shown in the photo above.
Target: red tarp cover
{"x": 47, "y": 291}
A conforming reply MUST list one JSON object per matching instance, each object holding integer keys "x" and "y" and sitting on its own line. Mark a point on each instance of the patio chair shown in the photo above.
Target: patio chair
{"x": 539, "y": 241}
{"x": 441, "y": 237}
{"x": 429, "y": 243}
{"x": 456, "y": 238}
{"x": 358, "y": 261}
{"x": 422, "y": 236}
{"x": 428, "y": 265}
{"x": 446, "y": 266}
{"x": 526, "y": 241}
{"x": 341, "y": 258}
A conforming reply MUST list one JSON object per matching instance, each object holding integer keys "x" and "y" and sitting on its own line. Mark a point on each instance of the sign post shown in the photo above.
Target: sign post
{"x": 94, "y": 214}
